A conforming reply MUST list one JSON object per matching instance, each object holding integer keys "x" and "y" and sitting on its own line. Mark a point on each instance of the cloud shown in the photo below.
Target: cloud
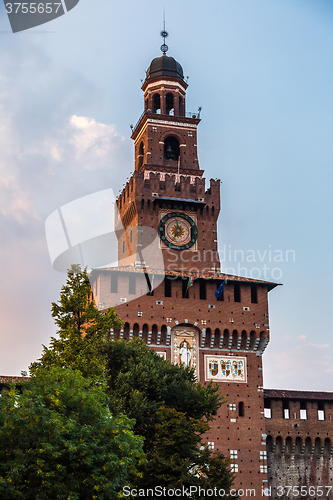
{"x": 298, "y": 366}
{"x": 49, "y": 156}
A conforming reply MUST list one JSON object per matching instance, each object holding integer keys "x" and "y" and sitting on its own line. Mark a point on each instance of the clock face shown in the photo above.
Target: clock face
{"x": 178, "y": 231}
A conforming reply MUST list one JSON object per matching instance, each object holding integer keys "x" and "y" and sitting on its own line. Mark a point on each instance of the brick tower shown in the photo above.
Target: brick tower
{"x": 174, "y": 308}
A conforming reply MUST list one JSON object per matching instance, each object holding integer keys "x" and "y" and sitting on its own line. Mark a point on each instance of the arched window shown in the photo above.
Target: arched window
{"x": 169, "y": 106}
{"x": 244, "y": 340}
{"x": 269, "y": 444}
{"x": 171, "y": 148}
{"x": 298, "y": 446}
{"x": 308, "y": 446}
{"x": 163, "y": 334}
{"x": 278, "y": 448}
{"x": 136, "y": 330}
{"x": 141, "y": 154}
{"x": 225, "y": 339}
{"x": 217, "y": 338}
{"x": 208, "y": 338}
{"x": 154, "y": 334}
{"x": 126, "y": 331}
{"x": 241, "y": 409}
{"x": 289, "y": 445}
{"x": 234, "y": 339}
{"x": 145, "y": 333}
{"x": 157, "y": 103}
{"x": 253, "y": 339}
{"x": 327, "y": 447}
{"x": 317, "y": 448}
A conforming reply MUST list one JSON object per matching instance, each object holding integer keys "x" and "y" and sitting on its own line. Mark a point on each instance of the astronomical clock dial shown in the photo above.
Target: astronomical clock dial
{"x": 178, "y": 231}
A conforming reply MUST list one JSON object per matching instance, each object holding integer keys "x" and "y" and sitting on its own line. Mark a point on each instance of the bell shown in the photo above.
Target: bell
{"x": 169, "y": 154}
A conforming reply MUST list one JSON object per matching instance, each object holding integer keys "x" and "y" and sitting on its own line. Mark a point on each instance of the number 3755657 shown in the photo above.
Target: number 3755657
{"x": 32, "y": 8}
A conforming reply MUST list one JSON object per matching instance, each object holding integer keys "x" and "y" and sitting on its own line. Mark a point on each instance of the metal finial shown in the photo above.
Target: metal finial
{"x": 164, "y": 35}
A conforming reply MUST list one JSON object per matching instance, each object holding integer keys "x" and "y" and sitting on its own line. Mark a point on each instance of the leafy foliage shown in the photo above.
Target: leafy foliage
{"x": 82, "y": 329}
{"x": 170, "y": 409}
{"x": 172, "y": 412}
{"x": 58, "y": 440}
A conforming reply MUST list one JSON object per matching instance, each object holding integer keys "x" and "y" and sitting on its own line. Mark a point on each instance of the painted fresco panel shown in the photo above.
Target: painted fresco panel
{"x": 225, "y": 368}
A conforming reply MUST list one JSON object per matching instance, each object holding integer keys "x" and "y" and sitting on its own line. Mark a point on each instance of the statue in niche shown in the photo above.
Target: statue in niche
{"x": 185, "y": 354}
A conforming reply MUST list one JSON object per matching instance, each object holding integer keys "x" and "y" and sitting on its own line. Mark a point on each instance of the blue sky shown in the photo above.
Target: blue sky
{"x": 262, "y": 72}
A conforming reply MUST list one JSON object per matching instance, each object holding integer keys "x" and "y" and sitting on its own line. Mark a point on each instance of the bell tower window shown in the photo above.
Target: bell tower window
{"x": 169, "y": 106}
{"x": 181, "y": 106}
{"x": 157, "y": 103}
{"x": 171, "y": 148}
{"x": 141, "y": 154}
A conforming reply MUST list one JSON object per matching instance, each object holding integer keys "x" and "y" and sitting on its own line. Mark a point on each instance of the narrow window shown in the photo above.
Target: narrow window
{"x": 221, "y": 297}
{"x": 267, "y": 408}
{"x": 114, "y": 283}
{"x": 285, "y": 409}
{"x": 167, "y": 287}
{"x": 169, "y": 104}
{"x": 141, "y": 154}
{"x": 237, "y": 294}
{"x": 241, "y": 409}
{"x": 321, "y": 410}
{"x": 254, "y": 294}
{"x": 185, "y": 288}
{"x": 181, "y": 106}
{"x": 302, "y": 412}
{"x": 171, "y": 148}
{"x": 132, "y": 283}
{"x": 156, "y": 104}
{"x": 202, "y": 285}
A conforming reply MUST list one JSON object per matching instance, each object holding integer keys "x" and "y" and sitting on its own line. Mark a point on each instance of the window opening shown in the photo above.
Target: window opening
{"x": 114, "y": 283}
{"x": 254, "y": 294}
{"x": 237, "y": 294}
{"x": 202, "y": 285}
{"x": 167, "y": 287}
{"x": 157, "y": 103}
{"x": 171, "y": 148}
{"x": 132, "y": 285}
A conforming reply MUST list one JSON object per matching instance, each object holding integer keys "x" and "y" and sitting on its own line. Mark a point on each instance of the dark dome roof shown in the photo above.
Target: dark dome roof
{"x": 164, "y": 66}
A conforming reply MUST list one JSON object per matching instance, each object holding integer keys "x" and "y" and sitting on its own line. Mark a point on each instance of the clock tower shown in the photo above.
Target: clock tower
{"x": 166, "y": 206}
{"x": 168, "y": 188}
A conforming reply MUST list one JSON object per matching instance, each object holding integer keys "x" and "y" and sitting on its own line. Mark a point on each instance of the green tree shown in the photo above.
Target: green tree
{"x": 83, "y": 330}
{"x": 172, "y": 412}
{"x": 58, "y": 440}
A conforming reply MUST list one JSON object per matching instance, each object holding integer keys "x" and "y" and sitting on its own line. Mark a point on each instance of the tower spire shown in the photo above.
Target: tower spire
{"x": 164, "y": 35}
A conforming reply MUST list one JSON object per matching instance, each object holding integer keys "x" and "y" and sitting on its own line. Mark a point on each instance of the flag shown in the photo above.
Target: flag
{"x": 219, "y": 291}
{"x": 190, "y": 282}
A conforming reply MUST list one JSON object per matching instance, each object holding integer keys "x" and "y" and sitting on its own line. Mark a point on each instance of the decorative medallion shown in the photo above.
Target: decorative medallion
{"x": 225, "y": 369}
{"x": 178, "y": 231}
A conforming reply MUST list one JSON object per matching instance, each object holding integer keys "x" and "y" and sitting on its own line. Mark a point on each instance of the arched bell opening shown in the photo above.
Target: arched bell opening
{"x": 181, "y": 104}
{"x": 157, "y": 103}
{"x": 171, "y": 148}
{"x": 169, "y": 105}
